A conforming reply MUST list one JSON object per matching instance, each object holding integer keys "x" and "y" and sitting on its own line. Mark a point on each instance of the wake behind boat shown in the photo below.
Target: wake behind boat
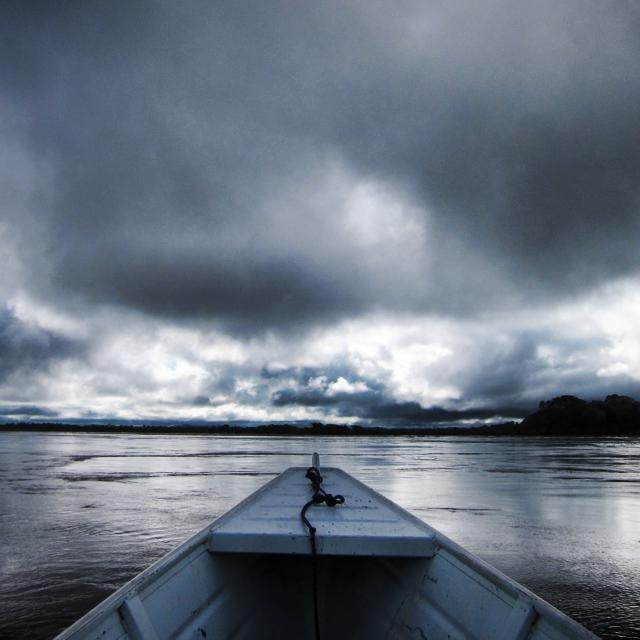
{"x": 294, "y": 561}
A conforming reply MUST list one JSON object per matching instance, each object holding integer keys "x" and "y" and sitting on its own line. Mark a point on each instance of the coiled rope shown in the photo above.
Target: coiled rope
{"x": 320, "y": 496}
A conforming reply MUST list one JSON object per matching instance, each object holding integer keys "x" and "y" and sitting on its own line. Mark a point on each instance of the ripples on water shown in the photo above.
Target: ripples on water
{"x": 81, "y": 514}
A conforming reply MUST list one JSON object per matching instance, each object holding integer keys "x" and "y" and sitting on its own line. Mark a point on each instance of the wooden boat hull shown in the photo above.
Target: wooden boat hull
{"x": 381, "y": 573}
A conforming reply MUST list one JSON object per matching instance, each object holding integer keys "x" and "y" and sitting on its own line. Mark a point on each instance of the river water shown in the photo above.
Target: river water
{"x": 80, "y": 514}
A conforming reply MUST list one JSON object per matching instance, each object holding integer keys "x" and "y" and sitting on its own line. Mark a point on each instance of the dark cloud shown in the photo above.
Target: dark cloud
{"x": 26, "y": 347}
{"x": 19, "y": 412}
{"x": 516, "y": 369}
{"x": 199, "y": 401}
{"x": 189, "y": 147}
{"x": 414, "y": 413}
{"x": 244, "y": 291}
{"x": 347, "y": 403}
{"x": 524, "y": 367}
{"x": 373, "y": 402}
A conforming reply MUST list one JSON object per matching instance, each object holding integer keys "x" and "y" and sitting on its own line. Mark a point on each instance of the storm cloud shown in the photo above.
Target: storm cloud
{"x": 193, "y": 149}
{"x": 271, "y": 170}
{"x": 372, "y": 402}
{"x": 26, "y": 347}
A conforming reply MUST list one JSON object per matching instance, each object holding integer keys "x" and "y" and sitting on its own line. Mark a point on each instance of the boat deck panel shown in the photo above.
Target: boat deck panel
{"x": 367, "y": 524}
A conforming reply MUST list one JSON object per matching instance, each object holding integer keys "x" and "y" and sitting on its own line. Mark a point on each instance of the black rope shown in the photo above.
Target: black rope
{"x": 320, "y": 496}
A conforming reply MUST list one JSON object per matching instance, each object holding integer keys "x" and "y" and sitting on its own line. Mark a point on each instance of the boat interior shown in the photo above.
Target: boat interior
{"x": 379, "y": 572}
{"x": 231, "y": 595}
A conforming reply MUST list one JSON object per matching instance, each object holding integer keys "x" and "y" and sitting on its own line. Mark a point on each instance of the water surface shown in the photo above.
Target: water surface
{"x": 81, "y": 514}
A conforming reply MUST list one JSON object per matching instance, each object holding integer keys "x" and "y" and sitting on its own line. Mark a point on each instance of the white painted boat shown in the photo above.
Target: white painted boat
{"x": 378, "y": 572}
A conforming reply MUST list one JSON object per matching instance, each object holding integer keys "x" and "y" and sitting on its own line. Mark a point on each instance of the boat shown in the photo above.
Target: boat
{"x": 294, "y": 560}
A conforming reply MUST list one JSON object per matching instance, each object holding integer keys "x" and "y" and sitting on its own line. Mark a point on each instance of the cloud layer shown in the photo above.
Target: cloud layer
{"x": 269, "y": 172}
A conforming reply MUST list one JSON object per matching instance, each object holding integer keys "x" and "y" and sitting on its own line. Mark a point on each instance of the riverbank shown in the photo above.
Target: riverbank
{"x": 315, "y": 429}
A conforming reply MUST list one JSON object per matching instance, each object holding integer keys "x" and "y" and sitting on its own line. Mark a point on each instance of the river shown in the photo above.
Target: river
{"x": 80, "y": 514}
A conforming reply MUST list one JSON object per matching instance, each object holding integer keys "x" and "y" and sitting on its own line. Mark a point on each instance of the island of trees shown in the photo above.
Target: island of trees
{"x": 616, "y": 415}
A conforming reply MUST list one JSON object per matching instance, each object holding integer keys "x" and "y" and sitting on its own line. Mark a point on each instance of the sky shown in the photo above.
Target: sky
{"x": 397, "y": 213}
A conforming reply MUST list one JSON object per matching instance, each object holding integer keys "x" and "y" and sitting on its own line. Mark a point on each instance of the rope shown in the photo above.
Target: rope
{"x": 319, "y": 496}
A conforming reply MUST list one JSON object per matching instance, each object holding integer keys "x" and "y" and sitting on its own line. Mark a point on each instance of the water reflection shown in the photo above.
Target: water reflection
{"x": 81, "y": 514}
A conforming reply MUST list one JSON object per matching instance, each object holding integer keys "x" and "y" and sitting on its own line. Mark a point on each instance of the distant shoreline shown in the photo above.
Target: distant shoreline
{"x": 616, "y": 415}
{"x": 510, "y": 429}
{"x": 316, "y": 429}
